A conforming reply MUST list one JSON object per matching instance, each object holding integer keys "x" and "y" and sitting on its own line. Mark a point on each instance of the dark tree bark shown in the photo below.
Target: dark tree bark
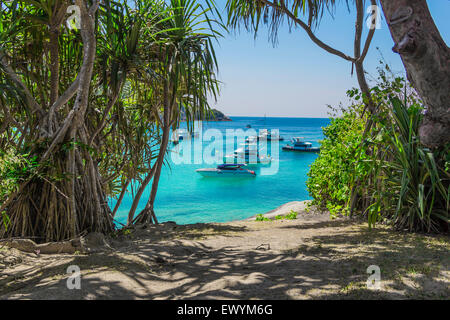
{"x": 426, "y": 58}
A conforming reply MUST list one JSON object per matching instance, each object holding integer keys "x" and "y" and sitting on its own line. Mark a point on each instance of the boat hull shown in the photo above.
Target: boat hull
{"x": 291, "y": 148}
{"x": 225, "y": 173}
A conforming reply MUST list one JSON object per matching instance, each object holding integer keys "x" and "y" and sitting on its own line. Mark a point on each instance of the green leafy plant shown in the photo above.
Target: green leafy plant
{"x": 410, "y": 183}
{"x": 260, "y": 217}
{"x": 381, "y": 170}
{"x": 291, "y": 215}
{"x": 332, "y": 173}
{"x": 14, "y": 168}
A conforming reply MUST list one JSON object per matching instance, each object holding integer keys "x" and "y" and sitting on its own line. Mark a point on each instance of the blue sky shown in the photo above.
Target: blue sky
{"x": 297, "y": 78}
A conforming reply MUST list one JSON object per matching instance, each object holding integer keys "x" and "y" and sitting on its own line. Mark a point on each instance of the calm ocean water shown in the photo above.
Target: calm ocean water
{"x": 186, "y": 197}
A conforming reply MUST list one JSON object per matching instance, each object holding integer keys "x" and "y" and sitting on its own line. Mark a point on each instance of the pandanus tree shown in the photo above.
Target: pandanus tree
{"x": 87, "y": 105}
{"x": 63, "y": 195}
{"x": 186, "y": 69}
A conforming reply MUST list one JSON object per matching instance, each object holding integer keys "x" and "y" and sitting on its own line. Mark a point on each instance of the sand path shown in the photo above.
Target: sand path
{"x": 310, "y": 257}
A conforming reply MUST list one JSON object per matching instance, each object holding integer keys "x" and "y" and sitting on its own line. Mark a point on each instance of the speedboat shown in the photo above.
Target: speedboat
{"x": 299, "y": 145}
{"x": 267, "y": 135}
{"x": 227, "y": 170}
{"x": 248, "y": 155}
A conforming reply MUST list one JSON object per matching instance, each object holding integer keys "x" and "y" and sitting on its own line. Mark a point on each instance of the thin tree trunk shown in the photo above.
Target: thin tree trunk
{"x": 54, "y": 64}
{"x": 162, "y": 152}
{"x": 359, "y": 59}
{"x": 138, "y": 195}
{"x": 146, "y": 215}
{"x": 119, "y": 200}
{"x": 426, "y": 58}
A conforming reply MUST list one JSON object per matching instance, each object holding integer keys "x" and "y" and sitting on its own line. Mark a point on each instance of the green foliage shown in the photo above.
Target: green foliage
{"x": 13, "y": 169}
{"x": 409, "y": 183}
{"x": 332, "y": 174}
{"x": 290, "y": 216}
{"x": 260, "y": 217}
{"x": 380, "y": 162}
{"x": 151, "y": 59}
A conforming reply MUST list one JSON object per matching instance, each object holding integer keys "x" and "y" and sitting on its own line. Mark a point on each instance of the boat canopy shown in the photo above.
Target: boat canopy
{"x": 230, "y": 165}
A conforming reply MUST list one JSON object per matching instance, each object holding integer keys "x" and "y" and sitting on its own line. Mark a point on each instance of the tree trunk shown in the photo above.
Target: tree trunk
{"x": 426, "y": 58}
{"x": 146, "y": 215}
{"x": 64, "y": 196}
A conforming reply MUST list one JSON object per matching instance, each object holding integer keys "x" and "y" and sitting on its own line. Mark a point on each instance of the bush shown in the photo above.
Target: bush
{"x": 332, "y": 173}
{"x": 13, "y": 169}
{"x": 260, "y": 217}
{"x": 392, "y": 177}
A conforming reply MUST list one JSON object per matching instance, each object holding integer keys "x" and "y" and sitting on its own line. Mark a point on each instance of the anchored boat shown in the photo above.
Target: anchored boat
{"x": 299, "y": 145}
{"x": 227, "y": 170}
{"x": 249, "y": 154}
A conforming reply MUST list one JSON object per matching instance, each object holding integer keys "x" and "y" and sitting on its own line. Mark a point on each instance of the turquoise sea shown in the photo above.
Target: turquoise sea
{"x": 184, "y": 196}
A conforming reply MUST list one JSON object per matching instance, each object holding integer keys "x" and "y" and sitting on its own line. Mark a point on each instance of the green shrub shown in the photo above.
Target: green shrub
{"x": 332, "y": 173}
{"x": 410, "y": 183}
{"x": 291, "y": 215}
{"x": 14, "y": 168}
{"x": 260, "y": 217}
{"x": 391, "y": 175}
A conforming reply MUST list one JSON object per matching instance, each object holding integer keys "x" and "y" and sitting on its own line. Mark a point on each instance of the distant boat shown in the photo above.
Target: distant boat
{"x": 299, "y": 145}
{"x": 249, "y": 154}
{"x": 227, "y": 170}
{"x": 251, "y": 139}
{"x": 267, "y": 135}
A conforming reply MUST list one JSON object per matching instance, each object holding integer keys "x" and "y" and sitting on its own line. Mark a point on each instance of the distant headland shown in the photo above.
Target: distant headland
{"x": 215, "y": 115}
{"x": 219, "y": 116}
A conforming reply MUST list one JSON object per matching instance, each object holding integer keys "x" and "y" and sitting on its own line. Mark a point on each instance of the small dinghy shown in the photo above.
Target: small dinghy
{"x": 227, "y": 170}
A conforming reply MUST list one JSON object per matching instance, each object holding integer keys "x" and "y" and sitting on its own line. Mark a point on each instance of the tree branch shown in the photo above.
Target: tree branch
{"x": 14, "y": 77}
{"x": 282, "y": 8}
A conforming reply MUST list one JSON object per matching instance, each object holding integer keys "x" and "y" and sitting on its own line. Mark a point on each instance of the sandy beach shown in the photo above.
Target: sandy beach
{"x": 311, "y": 257}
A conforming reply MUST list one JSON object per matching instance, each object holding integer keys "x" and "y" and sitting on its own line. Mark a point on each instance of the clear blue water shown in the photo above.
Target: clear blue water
{"x": 184, "y": 196}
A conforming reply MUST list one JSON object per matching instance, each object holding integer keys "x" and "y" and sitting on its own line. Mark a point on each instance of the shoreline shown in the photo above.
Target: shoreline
{"x": 283, "y": 210}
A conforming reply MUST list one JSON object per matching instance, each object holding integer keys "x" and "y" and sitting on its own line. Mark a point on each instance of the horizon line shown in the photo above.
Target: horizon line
{"x": 295, "y": 117}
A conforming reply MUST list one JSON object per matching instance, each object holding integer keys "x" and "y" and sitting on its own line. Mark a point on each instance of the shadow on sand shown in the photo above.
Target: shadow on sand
{"x": 323, "y": 267}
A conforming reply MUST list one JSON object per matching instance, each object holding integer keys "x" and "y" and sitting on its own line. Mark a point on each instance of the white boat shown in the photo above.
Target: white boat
{"x": 267, "y": 135}
{"x": 251, "y": 139}
{"x": 299, "y": 145}
{"x": 249, "y": 154}
{"x": 227, "y": 170}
